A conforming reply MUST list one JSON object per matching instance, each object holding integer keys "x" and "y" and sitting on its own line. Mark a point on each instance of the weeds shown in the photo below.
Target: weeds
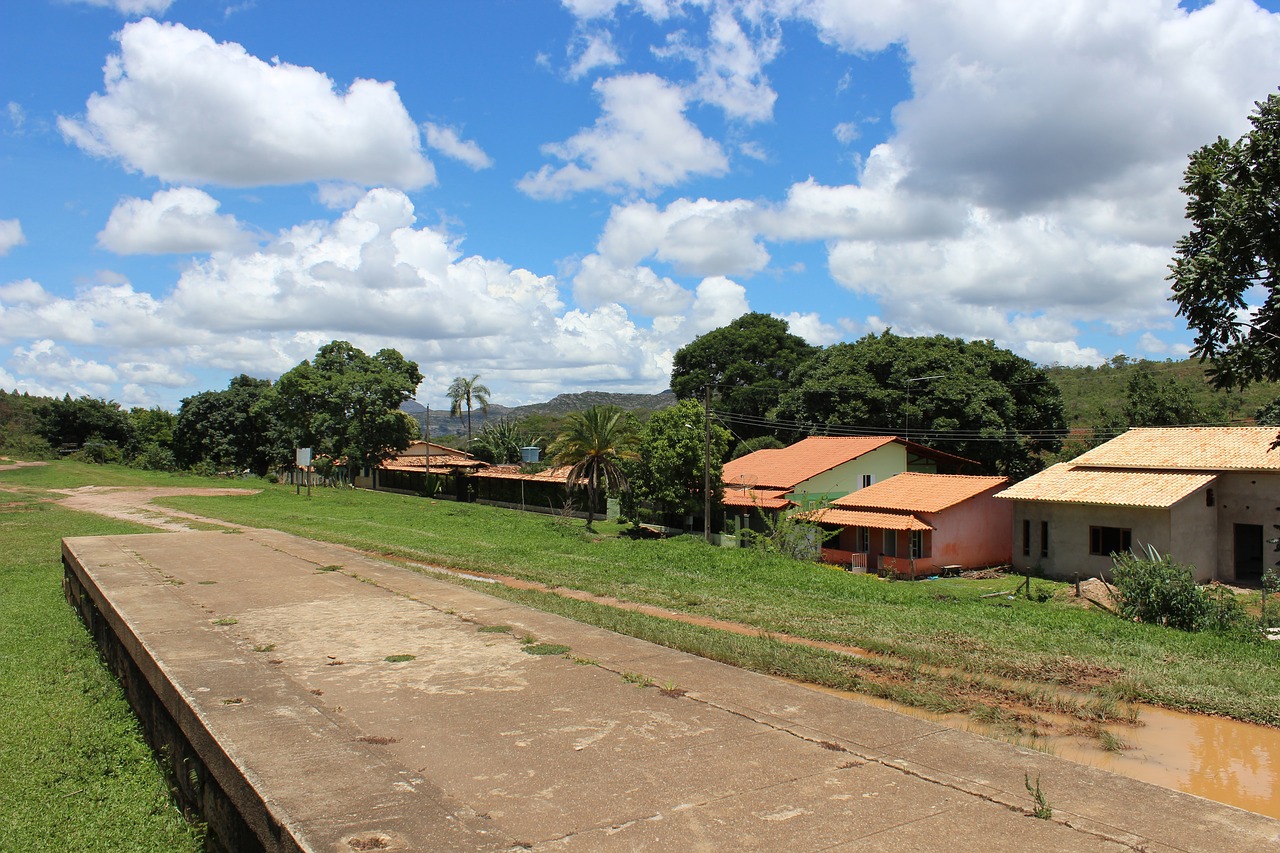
{"x": 637, "y": 679}
{"x": 494, "y": 629}
{"x": 399, "y": 658}
{"x": 545, "y": 649}
{"x": 1041, "y": 807}
{"x": 226, "y": 620}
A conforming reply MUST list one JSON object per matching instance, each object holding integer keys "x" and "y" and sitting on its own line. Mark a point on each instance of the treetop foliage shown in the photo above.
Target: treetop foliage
{"x": 1234, "y": 247}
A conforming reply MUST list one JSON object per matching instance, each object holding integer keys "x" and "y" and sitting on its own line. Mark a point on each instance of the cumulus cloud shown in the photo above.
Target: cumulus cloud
{"x": 52, "y": 363}
{"x": 180, "y": 220}
{"x": 447, "y": 142}
{"x": 598, "y": 282}
{"x": 180, "y": 107}
{"x": 702, "y": 237}
{"x": 642, "y": 141}
{"x": 593, "y": 50}
{"x": 731, "y": 66}
{"x": 132, "y": 8}
{"x": 10, "y": 235}
{"x": 811, "y": 327}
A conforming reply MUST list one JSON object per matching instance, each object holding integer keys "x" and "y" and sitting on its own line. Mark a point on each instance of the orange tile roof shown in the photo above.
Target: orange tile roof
{"x": 855, "y": 518}
{"x": 513, "y": 472}
{"x": 917, "y": 492}
{"x": 438, "y": 463}
{"x": 1188, "y": 449}
{"x": 784, "y": 468}
{"x": 763, "y": 498}
{"x": 1066, "y": 483}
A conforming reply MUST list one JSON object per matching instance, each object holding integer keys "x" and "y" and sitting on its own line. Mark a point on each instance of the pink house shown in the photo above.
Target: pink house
{"x": 916, "y": 524}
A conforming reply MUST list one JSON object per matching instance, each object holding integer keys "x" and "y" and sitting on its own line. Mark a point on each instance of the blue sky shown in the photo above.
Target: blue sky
{"x": 559, "y": 195}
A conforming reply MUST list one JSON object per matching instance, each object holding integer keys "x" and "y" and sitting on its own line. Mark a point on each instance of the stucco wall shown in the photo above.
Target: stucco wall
{"x": 1069, "y": 535}
{"x": 1194, "y": 533}
{"x": 1245, "y": 499}
{"x": 882, "y": 463}
{"x": 974, "y": 533}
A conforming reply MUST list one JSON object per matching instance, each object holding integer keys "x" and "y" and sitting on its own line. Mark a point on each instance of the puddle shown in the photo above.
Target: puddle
{"x": 1212, "y": 757}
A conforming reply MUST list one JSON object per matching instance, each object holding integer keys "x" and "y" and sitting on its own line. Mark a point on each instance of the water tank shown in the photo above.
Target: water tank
{"x": 530, "y": 455}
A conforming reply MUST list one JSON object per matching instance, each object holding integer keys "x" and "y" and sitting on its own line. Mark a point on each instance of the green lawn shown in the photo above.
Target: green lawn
{"x": 75, "y": 773}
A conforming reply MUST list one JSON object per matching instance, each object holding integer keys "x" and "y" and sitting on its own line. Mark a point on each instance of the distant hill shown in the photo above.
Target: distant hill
{"x": 442, "y": 424}
{"x": 1088, "y": 390}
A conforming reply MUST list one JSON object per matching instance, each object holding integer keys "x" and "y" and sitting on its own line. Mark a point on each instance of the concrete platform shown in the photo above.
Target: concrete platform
{"x": 267, "y": 671}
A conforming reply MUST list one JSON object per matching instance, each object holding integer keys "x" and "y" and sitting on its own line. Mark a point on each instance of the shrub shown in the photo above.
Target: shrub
{"x": 1156, "y": 590}
{"x": 153, "y": 457}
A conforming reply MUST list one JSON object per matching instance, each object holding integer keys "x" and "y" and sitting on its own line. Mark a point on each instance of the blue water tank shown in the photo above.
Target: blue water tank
{"x": 530, "y": 455}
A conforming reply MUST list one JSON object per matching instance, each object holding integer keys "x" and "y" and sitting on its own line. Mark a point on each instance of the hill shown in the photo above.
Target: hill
{"x": 543, "y": 417}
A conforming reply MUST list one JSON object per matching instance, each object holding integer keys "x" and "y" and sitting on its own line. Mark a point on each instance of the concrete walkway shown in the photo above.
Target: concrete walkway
{"x": 280, "y": 660}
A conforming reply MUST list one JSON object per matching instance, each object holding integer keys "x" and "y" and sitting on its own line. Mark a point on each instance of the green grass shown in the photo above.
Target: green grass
{"x": 931, "y": 624}
{"x": 75, "y": 773}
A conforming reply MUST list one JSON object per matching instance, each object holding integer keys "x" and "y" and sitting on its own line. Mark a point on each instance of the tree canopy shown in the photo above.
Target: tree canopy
{"x": 345, "y": 404}
{"x": 231, "y": 429}
{"x": 970, "y": 398}
{"x": 672, "y": 465}
{"x": 746, "y": 364}
{"x": 1226, "y": 271}
{"x": 596, "y": 443}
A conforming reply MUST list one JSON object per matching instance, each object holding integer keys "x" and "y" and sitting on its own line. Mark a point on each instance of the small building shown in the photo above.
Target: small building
{"x": 1205, "y": 496}
{"x": 546, "y": 491}
{"x": 423, "y": 468}
{"x": 819, "y": 469}
{"x": 915, "y": 524}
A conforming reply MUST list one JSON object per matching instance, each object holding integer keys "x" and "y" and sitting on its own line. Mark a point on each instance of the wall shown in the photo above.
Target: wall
{"x": 1245, "y": 498}
{"x": 882, "y": 463}
{"x": 973, "y": 533}
{"x": 1069, "y": 535}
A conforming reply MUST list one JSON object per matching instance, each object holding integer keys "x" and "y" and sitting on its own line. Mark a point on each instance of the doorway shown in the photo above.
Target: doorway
{"x": 1248, "y": 551}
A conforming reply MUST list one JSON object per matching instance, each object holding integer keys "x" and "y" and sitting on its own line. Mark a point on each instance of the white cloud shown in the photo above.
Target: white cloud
{"x": 10, "y": 235}
{"x": 182, "y": 108}
{"x": 180, "y": 220}
{"x": 642, "y": 141}
{"x": 810, "y": 327}
{"x": 594, "y": 50}
{"x": 17, "y": 115}
{"x": 132, "y": 8}
{"x": 700, "y": 237}
{"x": 731, "y": 67}
{"x": 846, "y": 132}
{"x": 598, "y": 282}
{"x": 447, "y": 142}
{"x": 54, "y": 364}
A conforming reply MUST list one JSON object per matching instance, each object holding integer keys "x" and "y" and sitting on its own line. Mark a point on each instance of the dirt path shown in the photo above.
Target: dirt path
{"x": 131, "y": 504}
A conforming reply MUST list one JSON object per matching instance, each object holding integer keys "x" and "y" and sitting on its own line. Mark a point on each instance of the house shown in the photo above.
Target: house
{"x": 1205, "y": 496}
{"x": 407, "y": 472}
{"x": 913, "y": 524}
{"x": 822, "y": 468}
{"x": 540, "y": 491}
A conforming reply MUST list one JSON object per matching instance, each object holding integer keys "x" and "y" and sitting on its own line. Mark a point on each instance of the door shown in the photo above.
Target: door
{"x": 1248, "y": 552}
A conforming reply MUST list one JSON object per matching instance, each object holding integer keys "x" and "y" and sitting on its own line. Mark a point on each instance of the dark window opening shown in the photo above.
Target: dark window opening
{"x": 1208, "y": 497}
{"x": 1026, "y": 537}
{"x": 1104, "y": 541}
{"x": 1044, "y": 539}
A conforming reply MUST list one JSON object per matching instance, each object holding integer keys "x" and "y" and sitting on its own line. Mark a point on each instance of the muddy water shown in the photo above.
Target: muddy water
{"x": 1212, "y": 757}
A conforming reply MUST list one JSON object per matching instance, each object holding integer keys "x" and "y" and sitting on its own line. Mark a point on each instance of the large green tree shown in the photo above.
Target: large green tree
{"x": 75, "y": 422}
{"x": 746, "y": 365}
{"x": 671, "y": 470}
{"x": 346, "y": 404}
{"x": 596, "y": 444}
{"x": 970, "y": 398}
{"x": 463, "y": 392}
{"x": 1226, "y": 270}
{"x": 232, "y": 429}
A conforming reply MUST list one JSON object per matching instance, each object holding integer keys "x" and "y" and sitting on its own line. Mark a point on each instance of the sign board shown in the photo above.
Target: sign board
{"x": 304, "y": 457}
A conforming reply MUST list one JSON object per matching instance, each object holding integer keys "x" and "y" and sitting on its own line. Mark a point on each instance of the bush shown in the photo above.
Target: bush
{"x": 153, "y": 457}
{"x": 99, "y": 452}
{"x": 1158, "y": 591}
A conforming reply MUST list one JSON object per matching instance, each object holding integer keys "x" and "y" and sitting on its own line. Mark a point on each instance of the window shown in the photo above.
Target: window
{"x": 917, "y": 544}
{"x": 1208, "y": 497}
{"x": 1044, "y": 539}
{"x": 1104, "y": 541}
{"x": 868, "y": 479}
{"x": 890, "y": 546}
{"x": 862, "y": 539}
{"x": 1026, "y": 537}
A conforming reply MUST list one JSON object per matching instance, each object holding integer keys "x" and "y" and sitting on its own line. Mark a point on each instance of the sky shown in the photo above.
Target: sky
{"x": 556, "y": 196}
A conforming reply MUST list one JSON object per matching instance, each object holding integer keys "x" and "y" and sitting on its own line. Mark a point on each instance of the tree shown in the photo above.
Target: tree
{"x": 671, "y": 469}
{"x": 1152, "y": 403}
{"x": 1234, "y": 247}
{"x": 501, "y": 441}
{"x": 462, "y": 392}
{"x": 746, "y": 365}
{"x": 346, "y": 404}
{"x": 596, "y": 443}
{"x": 970, "y": 398}
{"x": 75, "y": 422}
{"x": 233, "y": 429}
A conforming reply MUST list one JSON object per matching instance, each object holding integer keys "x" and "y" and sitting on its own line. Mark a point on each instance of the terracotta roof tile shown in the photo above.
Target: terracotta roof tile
{"x": 784, "y": 468}
{"x": 1066, "y": 483}
{"x": 512, "y": 472}
{"x": 856, "y": 518}
{"x": 1188, "y": 449}
{"x": 763, "y": 498}
{"x": 918, "y": 492}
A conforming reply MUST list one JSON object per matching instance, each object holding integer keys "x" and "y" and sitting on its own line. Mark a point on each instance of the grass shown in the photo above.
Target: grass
{"x": 913, "y": 628}
{"x": 75, "y": 773}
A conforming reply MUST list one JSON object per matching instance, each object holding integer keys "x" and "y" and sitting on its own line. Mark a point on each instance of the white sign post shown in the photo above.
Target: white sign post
{"x": 304, "y": 462}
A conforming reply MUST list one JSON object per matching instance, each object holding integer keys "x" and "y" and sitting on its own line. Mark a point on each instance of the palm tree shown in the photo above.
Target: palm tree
{"x": 595, "y": 442}
{"x": 463, "y": 391}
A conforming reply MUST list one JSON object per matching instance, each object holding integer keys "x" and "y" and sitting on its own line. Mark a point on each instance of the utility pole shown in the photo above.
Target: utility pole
{"x": 426, "y": 436}
{"x": 706, "y": 471}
